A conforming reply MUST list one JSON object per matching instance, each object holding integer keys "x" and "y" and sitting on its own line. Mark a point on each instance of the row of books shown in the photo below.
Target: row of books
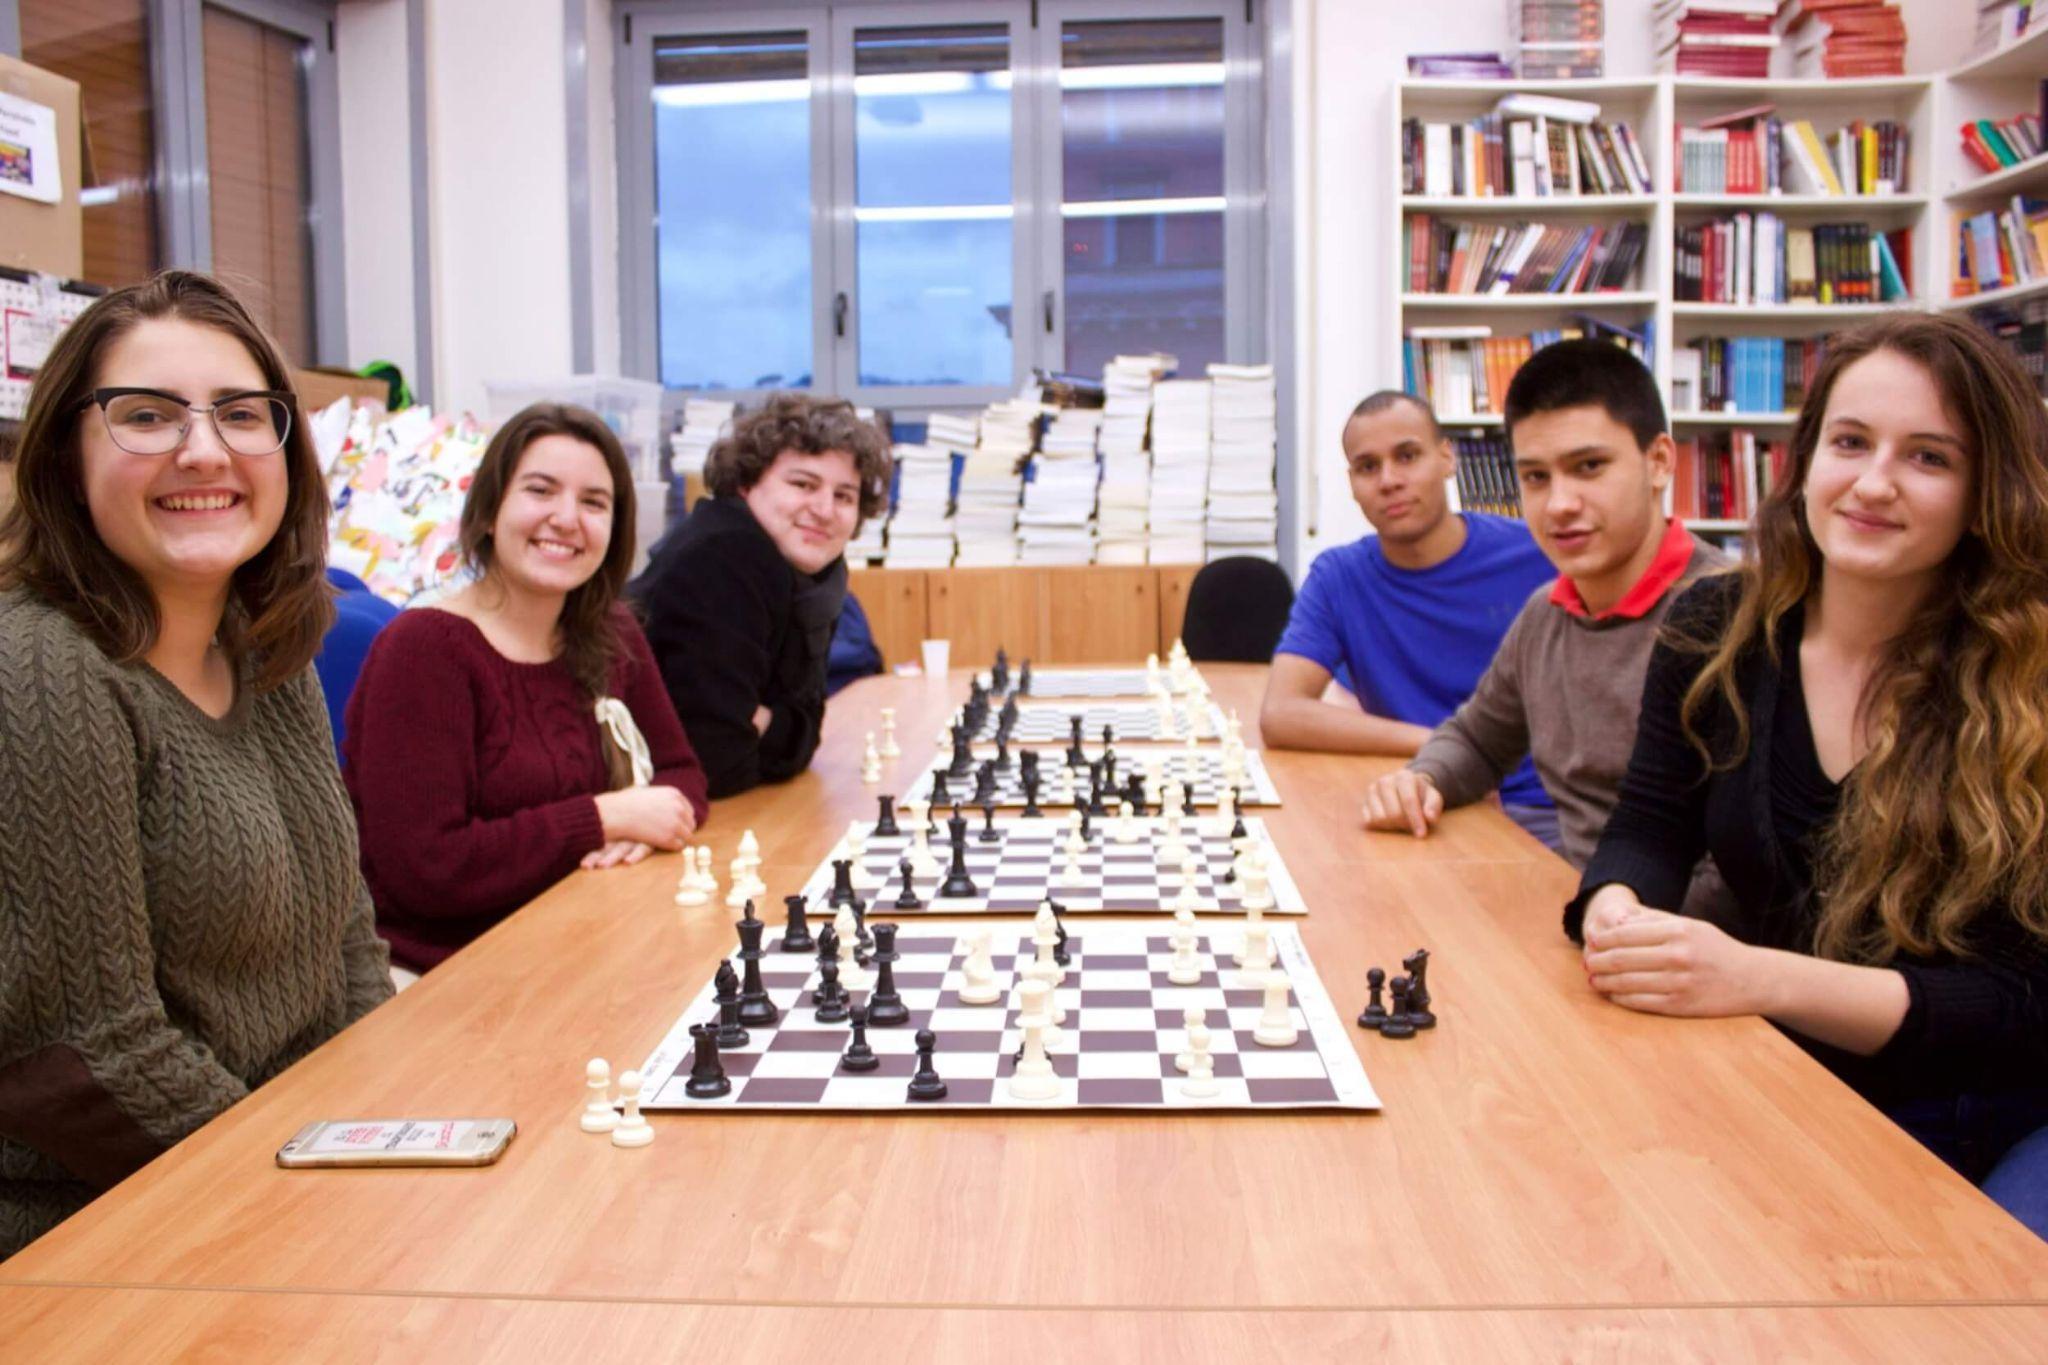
{"x": 1558, "y": 39}
{"x": 1744, "y": 374}
{"x": 1448, "y": 257}
{"x": 1758, "y": 259}
{"x": 1464, "y": 371}
{"x": 1995, "y": 144}
{"x": 1496, "y": 155}
{"x": 1485, "y": 476}
{"x": 1714, "y": 37}
{"x": 1723, "y": 475}
{"x": 1835, "y": 39}
{"x": 1754, "y": 152}
{"x": 2003, "y": 21}
{"x": 2001, "y": 247}
{"x": 2024, "y": 328}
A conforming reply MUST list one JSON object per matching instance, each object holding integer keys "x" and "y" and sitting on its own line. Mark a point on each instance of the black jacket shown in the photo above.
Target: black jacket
{"x": 720, "y": 603}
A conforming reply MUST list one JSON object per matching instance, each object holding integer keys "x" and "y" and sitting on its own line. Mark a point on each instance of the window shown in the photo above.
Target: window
{"x": 919, "y": 204}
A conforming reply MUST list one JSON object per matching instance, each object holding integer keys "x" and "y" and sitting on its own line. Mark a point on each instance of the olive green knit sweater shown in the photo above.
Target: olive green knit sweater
{"x": 181, "y": 911}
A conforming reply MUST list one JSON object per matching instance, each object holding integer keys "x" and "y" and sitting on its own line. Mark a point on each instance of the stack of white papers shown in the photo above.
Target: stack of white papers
{"x": 1244, "y": 509}
{"x": 1180, "y": 469}
{"x": 920, "y": 534}
{"x": 704, "y": 421}
{"x": 992, "y": 483}
{"x": 1121, "y": 536}
{"x": 1057, "y": 525}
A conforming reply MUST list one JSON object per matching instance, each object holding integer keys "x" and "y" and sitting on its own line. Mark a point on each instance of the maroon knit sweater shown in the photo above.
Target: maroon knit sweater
{"x": 475, "y": 778}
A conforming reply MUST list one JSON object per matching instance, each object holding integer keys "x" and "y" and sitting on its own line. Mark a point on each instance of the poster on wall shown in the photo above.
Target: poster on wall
{"x": 28, "y": 150}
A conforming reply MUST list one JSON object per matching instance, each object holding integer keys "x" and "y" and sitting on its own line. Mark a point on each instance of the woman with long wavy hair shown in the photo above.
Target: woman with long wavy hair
{"x": 1855, "y": 724}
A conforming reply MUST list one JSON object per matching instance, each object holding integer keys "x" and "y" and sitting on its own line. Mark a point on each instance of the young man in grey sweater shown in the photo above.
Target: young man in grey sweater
{"x": 1593, "y": 454}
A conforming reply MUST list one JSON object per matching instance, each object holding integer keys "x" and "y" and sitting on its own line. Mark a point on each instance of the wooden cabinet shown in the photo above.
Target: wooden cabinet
{"x": 1098, "y": 613}
{"x": 982, "y": 610}
{"x": 1173, "y": 600}
{"x": 894, "y": 600}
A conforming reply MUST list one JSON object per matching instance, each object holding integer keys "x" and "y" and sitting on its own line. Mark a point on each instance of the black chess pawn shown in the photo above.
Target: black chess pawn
{"x": 1416, "y": 964}
{"x": 755, "y": 1006}
{"x": 1007, "y": 717}
{"x": 796, "y": 933}
{"x": 707, "y": 1074}
{"x": 1087, "y": 824}
{"x": 963, "y": 752}
{"x": 1237, "y": 827}
{"x": 984, "y": 783}
{"x": 885, "y": 817}
{"x": 999, "y": 676}
{"x": 1030, "y": 781}
{"x": 1023, "y": 687}
{"x": 885, "y": 1004}
{"x": 1398, "y": 1024}
{"x": 906, "y": 899}
{"x": 940, "y": 796}
{"x": 1375, "y": 1013}
{"x": 1108, "y": 737}
{"x": 830, "y": 997}
{"x": 858, "y": 1055}
{"x": 926, "y": 1085}
{"x": 1002, "y": 758}
{"x": 989, "y": 834}
{"x": 725, "y": 993}
{"x": 1074, "y": 755}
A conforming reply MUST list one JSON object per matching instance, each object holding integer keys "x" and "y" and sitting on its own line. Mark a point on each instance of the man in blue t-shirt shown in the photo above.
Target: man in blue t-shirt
{"x": 1408, "y": 618}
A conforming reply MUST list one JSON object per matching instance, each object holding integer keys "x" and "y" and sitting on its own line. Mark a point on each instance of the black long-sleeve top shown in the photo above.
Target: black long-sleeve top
{"x": 1974, "y": 1024}
{"x": 722, "y": 614}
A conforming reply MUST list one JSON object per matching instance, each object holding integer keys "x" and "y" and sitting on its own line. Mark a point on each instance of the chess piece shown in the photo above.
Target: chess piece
{"x": 846, "y": 935}
{"x": 871, "y": 762}
{"x": 906, "y": 899}
{"x": 1257, "y": 956}
{"x": 1374, "y": 1014}
{"x": 978, "y": 973}
{"x": 1191, "y": 1019}
{"x": 958, "y": 885}
{"x": 921, "y": 861}
{"x": 796, "y": 929}
{"x": 939, "y": 795}
{"x": 1416, "y": 964}
{"x": 1074, "y": 756}
{"x": 1189, "y": 897}
{"x": 707, "y": 1073}
{"x": 688, "y": 893}
{"x": 633, "y": 1129}
{"x": 858, "y": 1055}
{"x": 1030, "y": 781}
{"x": 598, "y": 1116}
{"x": 842, "y": 892}
{"x": 885, "y": 1004}
{"x": 885, "y": 817}
{"x": 1276, "y": 1020}
{"x": 1126, "y": 826}
{"x": 1398, "y": 1024}
{"x": 725, "y": 994}
{"x": 890, "y": 748}
{"x": 989, "y": 834}
{"x": 1201, "y": 1081}
{"x": 1033, "y": 1079}
{"x": 926, "y": 1085}
{"x": 830, "y": 997}
{"x": 755, "y": 1006}
{"x": 1186, "y": 968}
{"x": 1059, "y": 930}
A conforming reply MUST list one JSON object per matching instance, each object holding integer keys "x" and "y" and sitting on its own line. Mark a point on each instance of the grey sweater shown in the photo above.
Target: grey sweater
{"x": 1565, "y": 690}
{"x": 181, "y": 913}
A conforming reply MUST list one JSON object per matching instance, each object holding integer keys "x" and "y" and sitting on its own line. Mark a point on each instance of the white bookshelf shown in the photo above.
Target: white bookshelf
{"x": 1995, "y": 86}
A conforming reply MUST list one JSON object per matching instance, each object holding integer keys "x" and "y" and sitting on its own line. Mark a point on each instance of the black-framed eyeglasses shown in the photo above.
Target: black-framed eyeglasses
{"x": 152, "y": 422}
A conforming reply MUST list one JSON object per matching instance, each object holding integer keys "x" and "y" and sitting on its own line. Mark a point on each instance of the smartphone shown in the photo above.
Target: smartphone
{"x": 399, "y": 1142}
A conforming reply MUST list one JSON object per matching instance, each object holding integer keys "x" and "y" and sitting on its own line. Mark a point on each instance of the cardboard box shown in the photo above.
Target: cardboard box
{"x": 39, "y": 236}
{"x": 319, "y": 387}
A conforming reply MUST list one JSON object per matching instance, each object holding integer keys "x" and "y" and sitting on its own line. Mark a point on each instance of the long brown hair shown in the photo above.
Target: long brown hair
{"x": 590, "y": 644}
{"x": 1946, "y": 816}
{"x": 279, "y": 606}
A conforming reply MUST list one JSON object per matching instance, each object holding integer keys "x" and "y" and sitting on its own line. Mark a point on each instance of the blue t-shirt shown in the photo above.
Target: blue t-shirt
{"x": 1412, "y": 643}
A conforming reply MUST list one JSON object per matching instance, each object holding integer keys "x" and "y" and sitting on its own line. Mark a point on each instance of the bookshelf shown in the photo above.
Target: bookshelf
{"x": 1995, "y": 86}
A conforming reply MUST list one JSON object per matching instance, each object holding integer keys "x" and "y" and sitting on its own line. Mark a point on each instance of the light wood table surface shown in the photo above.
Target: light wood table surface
{"x": 1551, "y": 1174}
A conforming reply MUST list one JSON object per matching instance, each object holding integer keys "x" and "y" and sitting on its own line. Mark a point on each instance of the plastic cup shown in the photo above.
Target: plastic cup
{"x": 938, "y": 657}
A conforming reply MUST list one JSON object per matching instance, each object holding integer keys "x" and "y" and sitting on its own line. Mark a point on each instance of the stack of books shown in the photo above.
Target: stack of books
{"x": 1244, "y": 437}
{"x": 992, "y": 484}
{"x": 920, "y": 532}
{"x": 1057, "y": 525}
{"x": 1559, "y": 38}
{"x": 1533, "y": 156}
{"x": 1126, "y": 492}
{"x": 2001, "y": 247}
{"x": 1841, "y": 38}
{"x": 1758, "y": 259}
{"x": 2023, "y": 326}
{"x": 1994, "y": 144}
{"x": 1751, "y": 151}
{"x": 1486, "y": 475}
{"x": 704, "y": 421}
{"x": 1723, "y": 475}
{"x": 1714, "y": 37}
{"x": 1744, "y": 374}
{"x": 1180, "y": 470}
{"x": 1446, "y": 257}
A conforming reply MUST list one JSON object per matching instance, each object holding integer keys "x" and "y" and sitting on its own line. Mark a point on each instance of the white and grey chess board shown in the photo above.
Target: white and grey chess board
{"x": 1124, "y": 1027}
{"x": 1026, "y": 864}
{"x": 1059, "y": 684}
{"x": 1139, "y": 721}
{"x": 1204, "y": 766}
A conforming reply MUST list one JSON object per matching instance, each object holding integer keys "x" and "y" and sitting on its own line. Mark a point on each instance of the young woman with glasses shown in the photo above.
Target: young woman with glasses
{"x": 182, "y": 910}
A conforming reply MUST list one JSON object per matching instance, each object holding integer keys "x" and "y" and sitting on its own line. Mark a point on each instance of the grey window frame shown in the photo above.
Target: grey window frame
{"x": 1250, "y": 327}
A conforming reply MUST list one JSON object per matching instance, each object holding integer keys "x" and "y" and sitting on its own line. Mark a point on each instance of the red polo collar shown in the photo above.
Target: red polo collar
{"x": 1674, "y": 554}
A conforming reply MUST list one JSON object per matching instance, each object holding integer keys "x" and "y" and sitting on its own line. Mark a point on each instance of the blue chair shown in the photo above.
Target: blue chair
{"x": 854, "y": 654}
{"x": 358, "y": 615}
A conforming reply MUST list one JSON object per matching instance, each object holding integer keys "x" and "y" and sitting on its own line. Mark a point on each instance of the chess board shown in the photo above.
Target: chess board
{"x": 1205, "y": 765}
{"x": 1050, "y": 684}
{"x": 1023, "y": 868}
{"x": 1128, "y": 720}
{"x": 1124, "y": 1028}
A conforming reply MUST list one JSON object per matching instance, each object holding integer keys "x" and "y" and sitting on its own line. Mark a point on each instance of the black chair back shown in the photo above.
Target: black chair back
{"x": 1237, "y": 609}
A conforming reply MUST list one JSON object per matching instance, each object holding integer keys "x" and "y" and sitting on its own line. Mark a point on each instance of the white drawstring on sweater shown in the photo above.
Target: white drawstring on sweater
{"x": 613, "y": 715}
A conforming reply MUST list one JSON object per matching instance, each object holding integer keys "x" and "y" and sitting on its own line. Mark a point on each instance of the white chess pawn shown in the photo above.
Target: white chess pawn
{"x": 737, "y": 871}
{"x": 1186, "y": 968}
{"x": 707, "y": 880}
{"x": 978, "y": 974}
{"x": 871, "y": 762}
{"x": 1188, "y": 897}
{"x": 1258, "y": 886}
{"x": 1172, "y": 849}
{"x": 856, "y": 846}
{"x": 1257, "y": 958}
{"x": 1126, "y": 827}
{"x": 1034, "y": 1079}
{"x": 1190, "y": 1020}
{"x": 1075, "y": 845}
{"x": 1072, "y": 875}
{"x": 634, "y": 1130}
{"x": 598, "y": 1115}
{"x": 687, "y": 890}
{"x": 890, "y": 748}
{"x": 1201, "y": 1081}
{"x": 922, "y": 863}
{"x": 851, "y": 974}
{"x": 1276, "y": 1021}
{"x": 749, "y": 846}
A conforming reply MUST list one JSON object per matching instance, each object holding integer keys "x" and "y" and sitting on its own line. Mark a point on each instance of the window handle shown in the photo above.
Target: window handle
{"x": 1048, "y": 302}
{"x": 839, "y": 314}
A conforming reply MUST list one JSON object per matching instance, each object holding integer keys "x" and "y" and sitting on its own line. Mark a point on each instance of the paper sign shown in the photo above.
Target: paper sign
{"x": 28, "y": 150}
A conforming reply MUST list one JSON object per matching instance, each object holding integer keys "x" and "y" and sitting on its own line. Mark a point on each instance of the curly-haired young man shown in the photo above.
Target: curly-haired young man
{"x": 741, "y": 598}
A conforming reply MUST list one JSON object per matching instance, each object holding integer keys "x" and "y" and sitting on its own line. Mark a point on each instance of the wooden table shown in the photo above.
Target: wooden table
{"x": 1551, "y": 1175}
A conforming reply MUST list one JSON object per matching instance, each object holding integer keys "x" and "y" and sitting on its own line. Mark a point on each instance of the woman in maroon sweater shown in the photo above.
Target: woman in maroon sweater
{"x": 519, "y": 729}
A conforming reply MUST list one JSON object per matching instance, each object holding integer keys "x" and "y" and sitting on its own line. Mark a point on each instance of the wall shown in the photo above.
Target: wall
{"x": 376, "y": 181}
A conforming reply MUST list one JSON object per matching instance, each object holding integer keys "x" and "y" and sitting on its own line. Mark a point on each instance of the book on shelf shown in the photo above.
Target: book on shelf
{"x": 1744, "y": 374}
{"x": 2004, "y": 21}
{"x": 1485, "y": 477}
{"x": 1994, "y": 144}
{"x": 1476, "y": 66}
{"x": 1723, "y": 475}
{"x": 1464, "y": 372}
{"x": 1754, "y": 152}
{"x": 1837, "y": 39}
{"x": 1760, "y": 259}
{"x": 1999, "y": 248}
{"x": 1558, "y": 38}
{"x": 1502, "y": 154}
{"x": 1448, "y": 257}
{"x": 1701, "y": 38}
{"x": 2023, "y": 326}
